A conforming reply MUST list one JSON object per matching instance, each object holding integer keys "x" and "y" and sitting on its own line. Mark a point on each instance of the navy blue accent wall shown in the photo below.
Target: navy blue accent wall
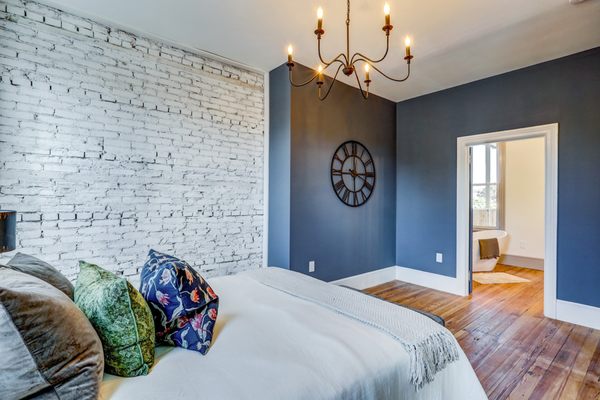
{"x": 566, "y": 91}
{"x": 342, "y": 240}
{"x": 279, "y": 168}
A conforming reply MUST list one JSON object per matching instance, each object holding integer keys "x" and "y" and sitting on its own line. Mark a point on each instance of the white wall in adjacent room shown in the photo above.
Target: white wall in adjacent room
{"x": 524, "y": 197}
{"x": 112, "y": 144}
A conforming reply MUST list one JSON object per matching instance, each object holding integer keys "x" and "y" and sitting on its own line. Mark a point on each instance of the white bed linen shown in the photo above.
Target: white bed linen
{"x": 270, "y": 345}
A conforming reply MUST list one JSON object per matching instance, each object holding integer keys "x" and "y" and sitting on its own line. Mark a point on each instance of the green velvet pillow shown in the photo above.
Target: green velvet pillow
{"x": 121, "y": 317}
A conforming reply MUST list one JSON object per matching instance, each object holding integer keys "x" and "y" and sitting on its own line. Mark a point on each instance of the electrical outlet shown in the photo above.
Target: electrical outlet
{"x": 311, "y": 266}
{"x": 439, "y": 258}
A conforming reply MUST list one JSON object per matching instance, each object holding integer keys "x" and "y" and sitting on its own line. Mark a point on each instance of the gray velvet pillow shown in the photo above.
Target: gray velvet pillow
{"x": 48, "y": 348}
{"x": 40, "y": 269}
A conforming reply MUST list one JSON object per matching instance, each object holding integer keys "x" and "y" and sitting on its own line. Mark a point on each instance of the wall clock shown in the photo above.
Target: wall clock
{"x": 353, "y": 173}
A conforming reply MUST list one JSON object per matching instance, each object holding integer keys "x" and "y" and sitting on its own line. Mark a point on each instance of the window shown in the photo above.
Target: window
{"x": 487, "y": 186}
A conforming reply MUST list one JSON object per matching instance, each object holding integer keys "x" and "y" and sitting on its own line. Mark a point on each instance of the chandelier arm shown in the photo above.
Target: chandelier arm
{"x": 315, "y": 75}
{"x": 332, "y": 61}
{"x": 303, "y": 83}
{"x": 362, "y": 92}
{"x": 387, "y": 50}
{"x": 332, "y": 82}
{"x": 384, "y": 74}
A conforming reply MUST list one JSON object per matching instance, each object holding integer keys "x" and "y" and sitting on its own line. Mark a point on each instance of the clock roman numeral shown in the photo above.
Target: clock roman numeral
{"x": 355, "y": 198}
{"x": 345, "y": 196}
{"x": 369, "y": 174}
{"x": 337, "y": 172}
{"x": 346, "y": 151}
{"x": 339, "y": 186}
{"x": 369, "y": 186}
{"x": 354, "y": 148}
{"x": 368, "y": 162}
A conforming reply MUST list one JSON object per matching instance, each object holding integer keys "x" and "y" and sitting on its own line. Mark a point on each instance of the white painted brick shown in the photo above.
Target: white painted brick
{"x": 113, "y": 144}
{"x": 52, "y": 21}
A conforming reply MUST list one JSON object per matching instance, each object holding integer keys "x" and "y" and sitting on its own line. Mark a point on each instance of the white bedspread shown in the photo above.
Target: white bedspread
{"x": 270, "y": 345}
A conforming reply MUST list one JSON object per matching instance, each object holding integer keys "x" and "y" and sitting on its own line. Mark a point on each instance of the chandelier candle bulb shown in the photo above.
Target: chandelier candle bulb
{"x": 367, "y": 78}
{"x": 386, "y": 11}
{"x": 407, "y": 44}
{"x": 320, "y": 75}
{"x": 319, "y": 18}
{"x": 290, "y": 53}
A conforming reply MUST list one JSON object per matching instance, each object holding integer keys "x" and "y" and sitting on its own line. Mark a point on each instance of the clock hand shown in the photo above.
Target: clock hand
{"x": 358, "y": 173}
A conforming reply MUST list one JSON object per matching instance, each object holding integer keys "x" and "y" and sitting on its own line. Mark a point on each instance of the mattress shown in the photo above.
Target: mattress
{"x": 270, "y": 345}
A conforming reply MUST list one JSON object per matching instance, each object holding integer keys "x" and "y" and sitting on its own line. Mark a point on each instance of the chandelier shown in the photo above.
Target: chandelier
{"x": 346, "y": 63}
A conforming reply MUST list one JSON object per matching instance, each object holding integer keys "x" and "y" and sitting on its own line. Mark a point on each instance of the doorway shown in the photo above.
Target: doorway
{"x": 488, "y": 146}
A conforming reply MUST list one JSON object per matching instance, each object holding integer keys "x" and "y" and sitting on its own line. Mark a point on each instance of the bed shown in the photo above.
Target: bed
{"x": 270, "y": 344}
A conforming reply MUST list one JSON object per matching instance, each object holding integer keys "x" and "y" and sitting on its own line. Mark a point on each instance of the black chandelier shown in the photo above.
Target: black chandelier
{"x": 347, "y": 63}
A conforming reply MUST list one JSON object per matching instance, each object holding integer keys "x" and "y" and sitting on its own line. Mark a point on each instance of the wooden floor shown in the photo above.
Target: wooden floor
{"x": 516, "y": 352}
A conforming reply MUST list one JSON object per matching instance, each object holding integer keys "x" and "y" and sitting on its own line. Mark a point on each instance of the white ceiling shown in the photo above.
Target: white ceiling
{"x": 455, "y": 41}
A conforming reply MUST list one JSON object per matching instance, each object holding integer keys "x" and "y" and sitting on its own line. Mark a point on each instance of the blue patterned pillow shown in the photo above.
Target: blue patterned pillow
{"x": 183, "y": 305}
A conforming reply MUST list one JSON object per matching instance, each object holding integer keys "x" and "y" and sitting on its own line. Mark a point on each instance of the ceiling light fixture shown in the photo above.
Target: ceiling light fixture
{"x": 348, "y": 64}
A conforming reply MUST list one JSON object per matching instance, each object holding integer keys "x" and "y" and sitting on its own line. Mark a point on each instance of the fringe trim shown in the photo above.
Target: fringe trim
{"x": 431, "y": 356}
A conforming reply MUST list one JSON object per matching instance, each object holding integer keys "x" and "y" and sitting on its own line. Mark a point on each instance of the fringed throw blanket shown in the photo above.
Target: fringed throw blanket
{"x": 430, "y": 346}
{"x": 489, "y": 248}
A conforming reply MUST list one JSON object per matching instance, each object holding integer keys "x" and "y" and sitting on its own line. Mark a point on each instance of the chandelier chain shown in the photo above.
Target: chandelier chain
{"x": 348, "y": 13}
{"x": 348, "y": 35}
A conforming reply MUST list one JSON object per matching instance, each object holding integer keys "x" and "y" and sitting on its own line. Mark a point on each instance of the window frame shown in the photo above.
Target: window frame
{"x": 500, "y": 164}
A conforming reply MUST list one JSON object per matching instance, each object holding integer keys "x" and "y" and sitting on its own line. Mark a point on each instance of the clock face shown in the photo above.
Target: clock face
{"x": 353, "y": 173}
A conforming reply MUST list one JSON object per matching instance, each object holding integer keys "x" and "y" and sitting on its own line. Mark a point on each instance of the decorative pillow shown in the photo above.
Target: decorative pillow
{"x": 121, "y": 317}
{"x": 182, "y": 303}
{"x": 48, "y": 347}
{"x": 40, "y": 269}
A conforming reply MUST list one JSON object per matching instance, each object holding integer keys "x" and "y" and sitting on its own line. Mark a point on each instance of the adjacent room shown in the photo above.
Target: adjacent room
{"x": 507, "y": 205}
{"x": 325, "y": 200}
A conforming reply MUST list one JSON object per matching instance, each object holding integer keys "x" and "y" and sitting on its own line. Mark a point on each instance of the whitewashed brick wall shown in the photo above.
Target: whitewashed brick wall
{"x": 112, "y": 144}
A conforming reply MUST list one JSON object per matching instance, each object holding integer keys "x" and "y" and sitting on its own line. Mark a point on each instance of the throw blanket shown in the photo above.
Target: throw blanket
{"x": 430, "y": 346}
{"x": 489, "y": 248}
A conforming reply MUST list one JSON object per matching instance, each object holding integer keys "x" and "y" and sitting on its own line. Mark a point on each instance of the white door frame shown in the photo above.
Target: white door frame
{"x": 550, "y": 134}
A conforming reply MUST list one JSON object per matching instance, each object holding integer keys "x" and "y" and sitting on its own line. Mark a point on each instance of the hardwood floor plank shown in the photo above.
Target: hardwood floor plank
{"x": 530, "y": 381}
{"x": 580, "y": 367}
{"x": 555, "y": 377}
{"x": 591, "y": 383}
{"x": 516, "y": 352}
{"x": 522, "y": 358}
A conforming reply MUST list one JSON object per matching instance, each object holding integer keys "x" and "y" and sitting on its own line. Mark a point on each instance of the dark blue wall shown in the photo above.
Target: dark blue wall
{"x": 279, "y": 168}
{"x": 566, "y": 91}
{"x": 342, "y": 240}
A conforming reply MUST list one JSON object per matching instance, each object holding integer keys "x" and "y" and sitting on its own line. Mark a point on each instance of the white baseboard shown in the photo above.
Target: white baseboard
{"x": 368, "y": 279}
{"x": 409, "y": 275}
{"x": 579, "y": 314}
{"x": 429, "y": 280}
{"x": 521, "y": 261}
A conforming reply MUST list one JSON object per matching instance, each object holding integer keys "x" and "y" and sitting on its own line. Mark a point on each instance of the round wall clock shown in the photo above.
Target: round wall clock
{"x": 353, "y": 173}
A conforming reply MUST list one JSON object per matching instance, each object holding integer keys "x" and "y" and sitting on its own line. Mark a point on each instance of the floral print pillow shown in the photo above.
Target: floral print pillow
{"x": 183, "y": 305}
